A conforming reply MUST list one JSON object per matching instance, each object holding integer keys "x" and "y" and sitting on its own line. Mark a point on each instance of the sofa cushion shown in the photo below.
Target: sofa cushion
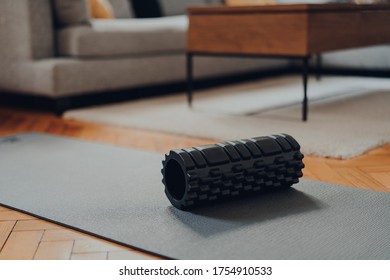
{"x": 124, "y": 37}
{"x": 71, "y": 12}
{"x": 26, "y": 31}
{"x": 122, "y": 8}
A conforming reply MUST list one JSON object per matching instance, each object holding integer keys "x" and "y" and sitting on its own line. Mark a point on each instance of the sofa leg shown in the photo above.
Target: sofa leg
{"x": 61, "y": 105}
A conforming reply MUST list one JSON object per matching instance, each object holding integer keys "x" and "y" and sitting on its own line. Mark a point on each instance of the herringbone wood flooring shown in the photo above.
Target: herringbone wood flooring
{"x": 26, "y": 237}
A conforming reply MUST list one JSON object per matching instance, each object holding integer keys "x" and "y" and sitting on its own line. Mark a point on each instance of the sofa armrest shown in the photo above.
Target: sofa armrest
{"x": 26, "y": 30}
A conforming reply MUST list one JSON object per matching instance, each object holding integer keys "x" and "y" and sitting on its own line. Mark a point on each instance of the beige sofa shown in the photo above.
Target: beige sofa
{"x": 40, "y": 58}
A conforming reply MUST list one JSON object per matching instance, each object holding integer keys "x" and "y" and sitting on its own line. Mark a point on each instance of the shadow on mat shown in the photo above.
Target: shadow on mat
{"x": 237, "y": 214}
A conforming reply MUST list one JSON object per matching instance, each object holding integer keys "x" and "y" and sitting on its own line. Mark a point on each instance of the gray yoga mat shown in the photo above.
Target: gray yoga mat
{"x": 116, "y": 193}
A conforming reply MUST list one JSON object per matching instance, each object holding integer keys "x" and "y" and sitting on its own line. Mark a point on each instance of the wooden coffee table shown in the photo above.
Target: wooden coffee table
{"x": 291, "y": 31}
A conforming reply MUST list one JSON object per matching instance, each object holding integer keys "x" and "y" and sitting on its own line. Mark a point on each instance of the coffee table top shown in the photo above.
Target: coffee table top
{"x": 286, "y": 30}
{"x": 287, "y": 8}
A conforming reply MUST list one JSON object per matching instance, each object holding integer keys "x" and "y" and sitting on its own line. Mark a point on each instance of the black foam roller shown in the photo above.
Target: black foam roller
{"x": 211, "y": 173}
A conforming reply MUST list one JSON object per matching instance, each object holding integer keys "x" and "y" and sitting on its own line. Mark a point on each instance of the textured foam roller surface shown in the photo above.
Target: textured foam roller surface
{"x": 117, "y": 194}
{"x": 212, "y": 173}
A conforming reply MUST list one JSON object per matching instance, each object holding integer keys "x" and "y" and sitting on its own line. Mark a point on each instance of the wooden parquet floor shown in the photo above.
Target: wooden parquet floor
{"x": 26, "y": 237}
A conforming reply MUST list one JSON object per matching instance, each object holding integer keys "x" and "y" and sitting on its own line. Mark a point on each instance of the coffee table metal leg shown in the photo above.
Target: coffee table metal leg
{"x": 305, "y": 70}
{"x": 189, "y": 78}
{"x": 318, "y": 66}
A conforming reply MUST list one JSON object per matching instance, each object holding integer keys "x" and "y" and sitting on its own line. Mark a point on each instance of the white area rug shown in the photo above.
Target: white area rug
{"x": 347, "y": 115}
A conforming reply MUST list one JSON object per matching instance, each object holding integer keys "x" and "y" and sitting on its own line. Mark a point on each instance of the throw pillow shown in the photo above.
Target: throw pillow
{"x": 146, "y": 8}
{"x": 122, "y": 8}
{"x": 71, "y": 12}
{"x": 101, "y": 9}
